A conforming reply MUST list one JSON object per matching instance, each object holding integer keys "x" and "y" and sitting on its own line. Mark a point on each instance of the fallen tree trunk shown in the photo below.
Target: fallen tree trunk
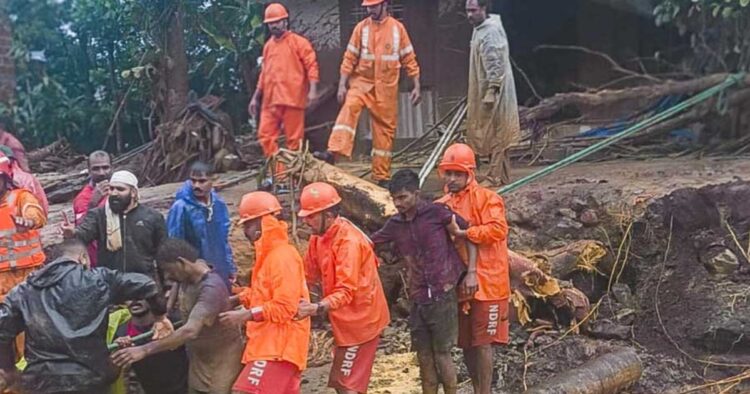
{"x": 61, "y": 188}
{"x": 363, "y": 202}
{"x": 606, "y": 374}
{"x": 583, "y": 255}
{"x": 638, "y": 97}
{"x": 529, "y": 283}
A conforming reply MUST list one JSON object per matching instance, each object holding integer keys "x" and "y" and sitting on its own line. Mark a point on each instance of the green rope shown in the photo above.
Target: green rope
{"x": 732, "y": 80}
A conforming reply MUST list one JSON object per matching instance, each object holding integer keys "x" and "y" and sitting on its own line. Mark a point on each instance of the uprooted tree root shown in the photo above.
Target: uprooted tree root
{"x": 200, "y": 132}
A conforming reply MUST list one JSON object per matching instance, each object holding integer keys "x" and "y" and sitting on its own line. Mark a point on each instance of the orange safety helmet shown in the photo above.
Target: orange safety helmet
{"x": 369, "y": 3}
{"x": 256, "y": 204}
{"x": 458, "y": 157}
{"x": 275, "y": 12}
{"x": 317, "y": 197}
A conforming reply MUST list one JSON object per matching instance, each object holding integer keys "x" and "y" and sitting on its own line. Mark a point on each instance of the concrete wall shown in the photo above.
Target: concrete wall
{"x": 7, "y": 69}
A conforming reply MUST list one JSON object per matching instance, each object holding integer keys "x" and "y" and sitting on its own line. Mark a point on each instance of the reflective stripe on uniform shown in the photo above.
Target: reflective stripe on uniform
{"x": 344, "y": 127}
{"x": 365, "y": 44}
{"x": 11, "y": 258}
{"x": 381, "y": 153}
{"x": 365, "y": 38}
{"x": 351, "y": 48}
{"x": 10, "y": 243}
{"x": 393, "y": 57}
{"x": 396, "y": 40}
{"x": 407, "y": 50}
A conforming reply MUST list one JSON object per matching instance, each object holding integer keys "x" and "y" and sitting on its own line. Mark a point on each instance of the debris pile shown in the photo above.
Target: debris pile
{"x": 56, "y": 157}
{"x": 568, "y": 122}
{"x": 200, "y": 132}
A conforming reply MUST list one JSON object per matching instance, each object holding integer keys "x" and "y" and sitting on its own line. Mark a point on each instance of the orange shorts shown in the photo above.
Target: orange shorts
{"x": 352, "y": 366}
{"x": 486, "y": 323}
{"x": 269, "y": 377}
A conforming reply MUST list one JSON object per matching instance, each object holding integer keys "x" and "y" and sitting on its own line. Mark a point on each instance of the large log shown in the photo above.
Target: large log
{"x": 363, "y": 202}
{"x": 528, "y": 282}
{"x": 638, "y": 97}
{"x": 581, "y": 255}
{"x": 607, "y": 374}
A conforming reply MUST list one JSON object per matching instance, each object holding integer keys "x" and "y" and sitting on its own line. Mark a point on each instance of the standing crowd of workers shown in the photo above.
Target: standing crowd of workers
{"x": 187, "y": 327}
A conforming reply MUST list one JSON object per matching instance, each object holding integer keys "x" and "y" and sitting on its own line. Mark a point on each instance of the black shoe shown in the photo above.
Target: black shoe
{"x": 266, "y": 185}
{"x": 384, "y": 184}
{"x": 282, "y": 189}
{"x": 326, "y": 156}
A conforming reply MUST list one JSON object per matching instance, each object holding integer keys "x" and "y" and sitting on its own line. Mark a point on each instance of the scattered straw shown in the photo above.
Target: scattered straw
{"x": 733, "y": 382}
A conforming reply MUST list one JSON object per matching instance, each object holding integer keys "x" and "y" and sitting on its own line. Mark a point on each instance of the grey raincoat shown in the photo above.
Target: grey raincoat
{"x": 493, "y": 123}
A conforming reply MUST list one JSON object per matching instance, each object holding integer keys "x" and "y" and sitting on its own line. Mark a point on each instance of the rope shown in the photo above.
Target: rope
{"x": 141, "y": 338}
{"x": 731, "y": 80}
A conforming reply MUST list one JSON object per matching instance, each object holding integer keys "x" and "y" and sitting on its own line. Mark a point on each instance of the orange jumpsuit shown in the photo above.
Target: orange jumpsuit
{"x": 372, "y": 60}
{"x": 344, "y": 261}
{"x": 289, "y": 65}
{"x": 277, "y": 286}
{"x": 485, "y": 211}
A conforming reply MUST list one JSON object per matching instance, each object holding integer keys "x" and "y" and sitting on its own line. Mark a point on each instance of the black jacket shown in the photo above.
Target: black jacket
{"x": 143, "y": 229}
{"x": 63, "y": 308}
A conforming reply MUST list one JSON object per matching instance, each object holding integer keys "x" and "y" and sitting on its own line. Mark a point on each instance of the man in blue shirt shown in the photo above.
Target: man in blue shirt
{"x": 200, "y": 217}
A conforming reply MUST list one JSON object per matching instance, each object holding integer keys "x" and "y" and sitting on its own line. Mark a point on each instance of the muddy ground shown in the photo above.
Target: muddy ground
{"x": 678, "y": 236}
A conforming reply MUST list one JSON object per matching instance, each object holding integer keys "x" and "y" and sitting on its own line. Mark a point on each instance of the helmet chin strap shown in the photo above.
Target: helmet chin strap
{"x": 323, "y": 221}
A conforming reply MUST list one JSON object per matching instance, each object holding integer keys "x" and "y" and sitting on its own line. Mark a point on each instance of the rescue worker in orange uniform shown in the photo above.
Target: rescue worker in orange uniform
{"x": 341, "y": 257}
{"x": 277, "y": 344}
{"x": 287, "y": 83}
{"x": 378, "y": 48}
{"x": 483, "y": 319}
{"x": 21, "y": 217}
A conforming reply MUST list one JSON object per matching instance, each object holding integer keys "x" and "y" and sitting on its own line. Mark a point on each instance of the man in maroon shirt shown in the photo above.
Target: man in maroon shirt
{"x": 95, "y": 193}
{"x": 434, "y": 267}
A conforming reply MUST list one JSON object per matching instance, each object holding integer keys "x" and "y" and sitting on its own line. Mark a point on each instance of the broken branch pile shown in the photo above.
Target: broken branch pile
{"x": 201, "y": 132}
{"x": 58, "y": 156}
{"x": 621, "y": 107}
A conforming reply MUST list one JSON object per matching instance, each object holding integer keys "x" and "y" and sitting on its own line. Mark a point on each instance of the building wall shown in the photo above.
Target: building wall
{"x": 452, "y": 37}
{"x": 7, "y": 69}
{"x": 318, "y": 20}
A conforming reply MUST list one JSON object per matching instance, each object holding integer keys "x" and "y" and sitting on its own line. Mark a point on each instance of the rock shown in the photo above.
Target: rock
{"x": 567, "y": 212}
{"x": 720, "y": 261}
{"x": 568, "y": 223}
{"x": 606, "y": 329}
{"x": 389, "y": 332}
{"x": 589, "y": 218}
{"x": 578, "y": 204}
{"x": 622, "y": 294}
{"x": 403, "y": 307}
